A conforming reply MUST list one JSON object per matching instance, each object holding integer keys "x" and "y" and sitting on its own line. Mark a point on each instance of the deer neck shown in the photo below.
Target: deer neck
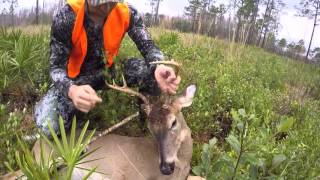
{"x": 185, "y": 151}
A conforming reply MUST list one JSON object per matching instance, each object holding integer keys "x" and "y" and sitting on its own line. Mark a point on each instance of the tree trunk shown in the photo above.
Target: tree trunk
{"x": 314, "y": 27}
{"x": 264, "y": 37}
{"x": 238, "y": 30}
{"x": 253, "y": 23}
{"x": 37, "y": 12}
{"x": 12, "y": 19}
{"x": 199, "y": 24}
{"x": 156, "y": 19}
{"x": 12, "y": 12}
{"x": 263, "y": 22}
{"x": 212, "y": 26}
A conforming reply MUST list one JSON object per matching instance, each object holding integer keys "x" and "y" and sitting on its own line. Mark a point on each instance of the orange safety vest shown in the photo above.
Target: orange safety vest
{"x": 114, "y": 30}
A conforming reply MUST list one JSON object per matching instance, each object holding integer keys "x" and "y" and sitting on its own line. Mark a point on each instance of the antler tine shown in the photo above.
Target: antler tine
{"x": 127, "y": 90}
{"x": 124, "y": 81}
{"x": 171, "y": 62}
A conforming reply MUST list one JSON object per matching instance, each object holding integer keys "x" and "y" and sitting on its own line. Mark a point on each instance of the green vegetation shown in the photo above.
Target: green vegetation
{"x": 63, "y": 154}
{"x": 262, "y": 109}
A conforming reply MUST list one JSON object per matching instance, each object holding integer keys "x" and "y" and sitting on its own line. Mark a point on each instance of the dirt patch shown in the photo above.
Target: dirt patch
{"x": 19, "y": 98}
{"x": 203, "y": 137}
{"x": 224, "y": 121}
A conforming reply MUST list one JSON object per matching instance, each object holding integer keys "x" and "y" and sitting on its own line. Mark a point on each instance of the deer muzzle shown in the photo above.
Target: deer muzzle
{"x": 167, "y": 168}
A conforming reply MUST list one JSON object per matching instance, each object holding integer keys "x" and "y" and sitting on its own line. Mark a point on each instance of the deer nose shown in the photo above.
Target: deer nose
{"x": 167, "y": 168}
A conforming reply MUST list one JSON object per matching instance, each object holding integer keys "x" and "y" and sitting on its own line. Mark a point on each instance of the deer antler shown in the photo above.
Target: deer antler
{"x": 171, "y": 62}
{"x": 127, "y": 90}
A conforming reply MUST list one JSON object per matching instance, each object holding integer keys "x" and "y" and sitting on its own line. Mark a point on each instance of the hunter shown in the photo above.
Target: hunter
{"x": 83, "y": 34}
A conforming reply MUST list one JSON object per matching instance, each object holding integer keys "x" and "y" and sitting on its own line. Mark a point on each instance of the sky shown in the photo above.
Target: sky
{"x": 292, "y": 28}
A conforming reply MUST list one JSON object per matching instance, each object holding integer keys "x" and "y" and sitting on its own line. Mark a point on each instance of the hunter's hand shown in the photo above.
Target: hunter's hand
{"x": 167, "y": 80}
{"x": 83, "y": 97}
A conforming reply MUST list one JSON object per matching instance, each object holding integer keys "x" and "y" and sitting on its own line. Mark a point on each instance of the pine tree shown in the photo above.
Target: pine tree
{"x": 193, "y": 11}
{"x": 310, "y": 9}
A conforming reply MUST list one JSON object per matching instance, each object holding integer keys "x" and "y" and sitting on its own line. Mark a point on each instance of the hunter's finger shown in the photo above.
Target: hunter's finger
{"x": 84, "y": 104}
{"x": 171, "y": 79}
{"x": 89, "y": 90}
{"x": 177, "y": 81}
{"x": 96, "y": 99}
{"x": 173, "y": 87}
{"x": 172, "y": 92}
{"x": 86, "y": 96}
{"x": 91, "y": 97}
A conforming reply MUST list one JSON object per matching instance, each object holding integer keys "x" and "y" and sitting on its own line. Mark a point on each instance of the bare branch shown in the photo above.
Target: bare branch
{"x": 113, "y": 128}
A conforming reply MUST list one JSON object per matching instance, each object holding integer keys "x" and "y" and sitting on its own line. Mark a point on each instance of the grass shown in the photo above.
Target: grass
{"x": 265, "y": 104}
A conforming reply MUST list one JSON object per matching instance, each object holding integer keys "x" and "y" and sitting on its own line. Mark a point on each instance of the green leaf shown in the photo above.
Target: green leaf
{"x": 240, "y": 126}
{"x": 234, "y": 143}
{"x": 73, "y": 133}
{"x": 213, "y": 142}
{"x": 235, "y": 115}
{"x": 277, "y": 160}
{"x": 250, "y": 158}
{"x": 63, "y": 135}
{"x": 90, "y": 173}
{"x": 253, "y": 172}
{"x": 197, "y": 170}
{"x": 242, "y": 112}
{"x": 285, "y": 124}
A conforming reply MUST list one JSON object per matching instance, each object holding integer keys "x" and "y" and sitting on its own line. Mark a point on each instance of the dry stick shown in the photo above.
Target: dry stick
{"x": 111, "y": 129}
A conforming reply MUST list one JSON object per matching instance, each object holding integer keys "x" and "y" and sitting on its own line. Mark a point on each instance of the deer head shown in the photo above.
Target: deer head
{"x": 167, "y": 125}
{"x": 165, "y": 122}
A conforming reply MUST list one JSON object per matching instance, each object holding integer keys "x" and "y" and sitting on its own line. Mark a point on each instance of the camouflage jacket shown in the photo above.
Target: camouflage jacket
{"x": 61, "y": 45}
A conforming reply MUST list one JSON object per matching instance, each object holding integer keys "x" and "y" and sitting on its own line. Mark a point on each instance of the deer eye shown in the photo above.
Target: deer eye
{"x": 174, "y": 124}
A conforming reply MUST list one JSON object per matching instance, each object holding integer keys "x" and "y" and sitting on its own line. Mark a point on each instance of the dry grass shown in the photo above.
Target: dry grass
{"x": 32, "y": 29}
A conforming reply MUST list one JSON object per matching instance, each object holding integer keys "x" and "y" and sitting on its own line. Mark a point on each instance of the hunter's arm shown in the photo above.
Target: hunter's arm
{"x": 60, "y": 48}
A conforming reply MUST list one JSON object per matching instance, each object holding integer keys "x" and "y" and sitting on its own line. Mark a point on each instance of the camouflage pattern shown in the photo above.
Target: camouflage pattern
{"x": 138, "y": 72}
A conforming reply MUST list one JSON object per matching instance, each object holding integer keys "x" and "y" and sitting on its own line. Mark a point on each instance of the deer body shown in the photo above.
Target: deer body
{"x": 165, "y": 156}
{"x": 134, "y": 158}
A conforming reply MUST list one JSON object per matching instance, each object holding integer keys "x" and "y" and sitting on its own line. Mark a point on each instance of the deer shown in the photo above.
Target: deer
{"x": 166, "y": 155}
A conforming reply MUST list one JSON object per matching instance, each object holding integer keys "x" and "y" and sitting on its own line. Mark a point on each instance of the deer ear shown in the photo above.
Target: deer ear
{"x": 186, "y": 99}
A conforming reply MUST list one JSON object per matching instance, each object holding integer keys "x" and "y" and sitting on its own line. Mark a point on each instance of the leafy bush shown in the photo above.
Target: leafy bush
{"x": 9, "y": 126}
{"x": 23, "y": 59}
{"x": 67, "y": 153}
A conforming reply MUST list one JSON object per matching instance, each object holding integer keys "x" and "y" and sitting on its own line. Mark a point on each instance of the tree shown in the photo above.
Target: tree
{"x": 13, "y": 6}
{"x": 204, "y": 14}
{"x": 271, "y": 42}
{"x": 291, "y": 49}
{"x": 155, "y": 5}
{"x": 300, "y": 48}
{"x": 193, "y": 11}
{"x": 310, "y": 9}
{"x": 315, "y": 53}
{"x": 270, "y": 20}
{"x": 282, "y": 44}
{"x": 37, "y": 12}
{"x": 215, "y": 12}
{"x": 156, "y": 18}
{"x": 253, "y": 22}
{"x": 245, "y": 10}
{"x": 10, "y": 10}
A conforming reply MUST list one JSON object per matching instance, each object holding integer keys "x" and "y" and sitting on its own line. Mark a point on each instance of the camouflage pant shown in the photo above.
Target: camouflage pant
{"x": 55, "y": 104}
